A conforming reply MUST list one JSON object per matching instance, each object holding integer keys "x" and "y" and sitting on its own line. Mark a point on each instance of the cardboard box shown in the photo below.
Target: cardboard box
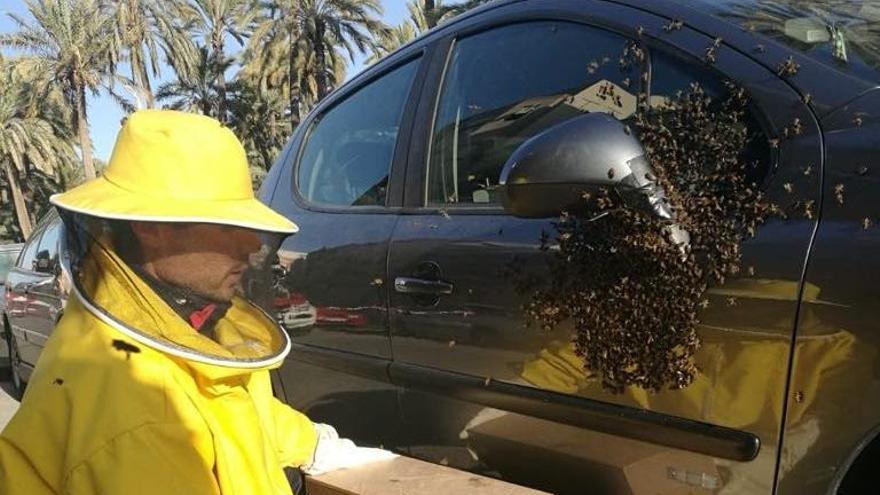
{"x": 407, "y": 476}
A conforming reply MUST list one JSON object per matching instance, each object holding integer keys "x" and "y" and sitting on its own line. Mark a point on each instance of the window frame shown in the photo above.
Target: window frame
{"x": 432, "y": 95}
{"x": 54, "y": 224}
{"x": 490, "y": 208}
{"x": 34, "y": 240}
{"x": 393, "y": 199}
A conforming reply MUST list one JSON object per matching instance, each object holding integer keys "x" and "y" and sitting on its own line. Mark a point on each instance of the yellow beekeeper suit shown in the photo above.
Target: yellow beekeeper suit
{"x": 127, "y": 397}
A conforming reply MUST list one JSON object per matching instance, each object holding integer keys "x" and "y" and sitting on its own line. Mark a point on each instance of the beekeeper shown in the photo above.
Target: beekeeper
{"x": 156, "y": 379}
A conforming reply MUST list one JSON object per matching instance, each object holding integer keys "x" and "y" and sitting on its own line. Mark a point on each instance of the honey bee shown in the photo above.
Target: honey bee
{"x": 788, "y": 67}
{"x": 674, "y": 25}
{"x": 711, "y": 55}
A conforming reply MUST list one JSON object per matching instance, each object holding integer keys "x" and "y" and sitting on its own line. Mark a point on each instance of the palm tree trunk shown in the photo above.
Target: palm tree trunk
{"x": 21, "y": 211}
{"x": 85, "y": 141}
{"x": 295, "y": 96}
{"x": 139, "y": 75}
{"x": 217, "y": 55}
{"x": 320, "y": 61}
{"x": 430, "y": 12}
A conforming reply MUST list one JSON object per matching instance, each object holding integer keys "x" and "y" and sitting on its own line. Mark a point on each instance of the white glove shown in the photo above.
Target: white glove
{"x": 334, "y": 453}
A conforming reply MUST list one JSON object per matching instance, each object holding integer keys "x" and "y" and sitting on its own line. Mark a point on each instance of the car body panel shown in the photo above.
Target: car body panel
{"x": 840, "y": 412}
{"x": 479, "y": 330}
{"x": 8, "y": 256}
{"x": 35, "y": 297}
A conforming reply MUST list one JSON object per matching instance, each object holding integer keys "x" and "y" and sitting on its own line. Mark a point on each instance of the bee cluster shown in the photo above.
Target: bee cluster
{"x": 632, "y": 293}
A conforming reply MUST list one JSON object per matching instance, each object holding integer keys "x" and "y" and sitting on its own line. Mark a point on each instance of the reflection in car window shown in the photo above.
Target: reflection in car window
{"x": 542, "y": 73}
{"x": 844, "y": 34}
{"x": 7, "y": 260}
{"x": 671, "y": 75}
{"x": 347, "y": 156}
{"x": 46, "y": 259}
{"x": 28, "y": 256}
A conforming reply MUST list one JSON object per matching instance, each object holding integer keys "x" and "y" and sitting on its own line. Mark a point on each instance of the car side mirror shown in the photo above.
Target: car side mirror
{"x": 550, "y": 173}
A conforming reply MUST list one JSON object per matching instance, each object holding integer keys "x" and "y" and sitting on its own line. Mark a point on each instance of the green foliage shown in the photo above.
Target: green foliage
{"x": 293, "y": 53}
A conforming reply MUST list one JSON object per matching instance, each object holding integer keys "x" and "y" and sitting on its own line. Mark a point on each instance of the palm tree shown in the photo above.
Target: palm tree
{"x": 142, "y": 28}
{"x": 347, "y": 25}
{"x": 33, "y": 136}
{"x": 215, "y": 20}
{"x": 297, "y": 42}
{"x": 392, "y": 39}
{"x": 277, "y": 55}
{"x": 197, "y": 90}
{"x": 257, "y": 118}
{"x": 73, "y": 44}
{"x": 423, "y": 16}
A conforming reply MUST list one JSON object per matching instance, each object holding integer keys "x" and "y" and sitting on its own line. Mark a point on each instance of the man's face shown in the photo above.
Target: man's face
{"x": 205, "y": 258}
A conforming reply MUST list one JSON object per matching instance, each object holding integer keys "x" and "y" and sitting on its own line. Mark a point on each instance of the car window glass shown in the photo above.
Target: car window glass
{"x": 46, "y": 258}
{"x": 347, "y": 156}
{"x": 7, "y": 260}
{"x": 541, "y": 74}
{"x": 671, "y": 76}
{"x": 28, "y": 255}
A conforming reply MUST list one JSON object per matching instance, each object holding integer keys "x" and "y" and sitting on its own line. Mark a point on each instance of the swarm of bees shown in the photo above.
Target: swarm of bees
{"x": 632, "y": 293}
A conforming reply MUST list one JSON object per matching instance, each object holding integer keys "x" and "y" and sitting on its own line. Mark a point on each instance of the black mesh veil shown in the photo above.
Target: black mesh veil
{"x": 101, "y": 257}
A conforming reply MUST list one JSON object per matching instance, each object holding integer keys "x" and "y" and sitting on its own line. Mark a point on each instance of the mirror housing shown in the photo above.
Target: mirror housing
{"x": 549, "y": 173}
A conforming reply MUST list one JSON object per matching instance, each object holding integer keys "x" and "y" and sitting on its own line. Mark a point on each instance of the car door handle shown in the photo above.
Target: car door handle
{"x": 411, "y": 285}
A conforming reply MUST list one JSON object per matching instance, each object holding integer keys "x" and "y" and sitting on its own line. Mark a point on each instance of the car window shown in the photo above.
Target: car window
{"x": 541, "y": 74}
{"x": 7, "y": 261}
{"x": 46, "y": 258}
{"x": 672, "y": 75}
{"x": 27, "y": 260}
{"x": 347, "y": 156}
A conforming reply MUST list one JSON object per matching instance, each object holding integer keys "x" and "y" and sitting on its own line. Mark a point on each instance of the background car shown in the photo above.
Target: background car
{"x": 402, "y": 222}
{"x": 8, "y": 256}
{"x": 35, "y": 299}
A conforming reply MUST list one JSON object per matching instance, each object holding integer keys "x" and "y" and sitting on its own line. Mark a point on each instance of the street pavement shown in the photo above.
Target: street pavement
{"x": 8, "y": 405}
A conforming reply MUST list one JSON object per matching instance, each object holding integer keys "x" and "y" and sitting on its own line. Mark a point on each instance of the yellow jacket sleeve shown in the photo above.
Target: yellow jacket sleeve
{"x": 151, "y": 459}
{"x": 295, "y": 435}
{"x": 19, "y": 475}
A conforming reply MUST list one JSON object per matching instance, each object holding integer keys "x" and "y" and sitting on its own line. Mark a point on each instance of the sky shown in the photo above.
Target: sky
{"x": 105, "y": 114}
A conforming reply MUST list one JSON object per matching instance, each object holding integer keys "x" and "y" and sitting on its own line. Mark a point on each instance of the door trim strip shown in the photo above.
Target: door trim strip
{"x": 614, "y": 419}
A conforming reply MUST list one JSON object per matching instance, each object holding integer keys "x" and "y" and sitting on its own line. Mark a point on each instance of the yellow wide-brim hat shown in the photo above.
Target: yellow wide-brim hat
{"x": 170, "y": 166}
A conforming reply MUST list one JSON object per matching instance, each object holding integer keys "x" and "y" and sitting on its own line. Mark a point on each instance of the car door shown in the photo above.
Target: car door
{"x": 45, "y": 293}
{"x": 341, "y": 183}
{"x": 21, "y": 310}
{"x": 485, "y": 391}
